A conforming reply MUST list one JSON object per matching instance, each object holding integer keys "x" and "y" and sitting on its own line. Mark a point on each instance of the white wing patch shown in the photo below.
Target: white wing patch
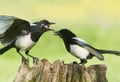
{"x": 79, "y": 52}
{"x": 33, "y": 24}
{"x": 79, "y": 39}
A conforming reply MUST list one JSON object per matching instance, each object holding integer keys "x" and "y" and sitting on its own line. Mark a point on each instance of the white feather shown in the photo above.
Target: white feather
{"x": 79, "y": 39}
{"x": 5, "y": 23}
{"x": 33, "y": 24}
{"x": 24, "y": 42}
{"x": 78, "y": 51}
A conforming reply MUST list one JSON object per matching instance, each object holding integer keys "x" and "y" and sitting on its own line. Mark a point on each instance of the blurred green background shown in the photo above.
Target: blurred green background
{"x": 96, "y": 21}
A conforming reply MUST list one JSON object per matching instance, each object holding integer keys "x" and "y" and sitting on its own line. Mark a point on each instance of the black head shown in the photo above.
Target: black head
{"x": 44, "y": 24}
{"x": 65, "y": 34}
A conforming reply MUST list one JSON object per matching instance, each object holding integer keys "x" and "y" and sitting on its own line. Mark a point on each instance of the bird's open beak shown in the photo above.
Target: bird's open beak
{"x": 49, "y": 26}
{"x": 58, "y": 33}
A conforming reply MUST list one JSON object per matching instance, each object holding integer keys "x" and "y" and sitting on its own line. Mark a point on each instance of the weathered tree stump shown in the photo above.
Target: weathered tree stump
{"x": 44, "y": 71}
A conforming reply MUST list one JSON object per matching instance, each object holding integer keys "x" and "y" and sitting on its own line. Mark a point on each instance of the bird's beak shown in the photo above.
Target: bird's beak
{"x": 51, "y": 23}
{"x": 58, "y": 33}
{"x": 49, "y": 26}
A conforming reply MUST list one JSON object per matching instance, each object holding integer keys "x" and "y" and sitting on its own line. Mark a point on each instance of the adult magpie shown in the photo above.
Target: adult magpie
{"x": 80, "y": 48}
{"x": 18, "y": 33}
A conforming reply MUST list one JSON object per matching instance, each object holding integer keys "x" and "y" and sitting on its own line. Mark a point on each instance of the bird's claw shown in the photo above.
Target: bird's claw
{"x": 25, "y": 61}
{"x": 35, "y": 60}
{"x": 74, "y": 62}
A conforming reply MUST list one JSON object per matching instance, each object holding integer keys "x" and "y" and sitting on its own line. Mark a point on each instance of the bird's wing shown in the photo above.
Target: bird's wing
{"x": 85, "y": 45}
{"x": 11, "y": 27}
{"x": 5, "y": 22}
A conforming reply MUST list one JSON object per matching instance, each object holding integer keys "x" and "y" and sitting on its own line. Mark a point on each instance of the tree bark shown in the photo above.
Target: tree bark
{"x": 43, "y": 71}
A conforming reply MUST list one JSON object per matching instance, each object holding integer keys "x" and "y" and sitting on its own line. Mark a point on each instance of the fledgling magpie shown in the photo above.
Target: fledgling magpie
{"x": 80, "y": 48}
{"x": 18, "y": 33}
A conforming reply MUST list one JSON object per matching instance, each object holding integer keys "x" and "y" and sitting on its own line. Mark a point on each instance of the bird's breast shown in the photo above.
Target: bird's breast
{"x": 78, "y": 51}
{"x": 24, "y": 42}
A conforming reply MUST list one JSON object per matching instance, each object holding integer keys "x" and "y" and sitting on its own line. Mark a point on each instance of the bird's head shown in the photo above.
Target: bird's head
{"x": 65, "y": 34}
{"x": 44, "y": 24}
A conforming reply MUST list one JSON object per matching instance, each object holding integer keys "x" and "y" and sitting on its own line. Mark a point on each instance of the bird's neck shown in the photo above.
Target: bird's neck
{"x": 67, "y": 44}
{"x": 36, "y": 34}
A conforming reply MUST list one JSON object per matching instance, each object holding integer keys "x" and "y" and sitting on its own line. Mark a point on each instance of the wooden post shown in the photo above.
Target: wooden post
{"x": 44, "y": 71}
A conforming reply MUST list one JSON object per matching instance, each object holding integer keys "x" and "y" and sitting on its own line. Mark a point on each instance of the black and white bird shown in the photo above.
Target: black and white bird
{"x": 18, "y": 33}
{"x": 80, "y": 48}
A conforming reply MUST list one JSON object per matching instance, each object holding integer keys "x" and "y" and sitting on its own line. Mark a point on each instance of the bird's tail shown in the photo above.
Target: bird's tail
{"x": 6, "y": 48}
{"x": 109, "y": 52}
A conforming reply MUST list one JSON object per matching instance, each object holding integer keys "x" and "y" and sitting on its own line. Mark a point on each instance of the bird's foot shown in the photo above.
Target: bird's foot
{"x": 25, "y": 61}
{"x": 74, "y": 62}
{"x": 83, "y": 62}
{"x": 35, "y": 60}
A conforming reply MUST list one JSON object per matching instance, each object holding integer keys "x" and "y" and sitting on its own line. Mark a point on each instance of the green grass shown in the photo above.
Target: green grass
{"x": 52, "y": 48}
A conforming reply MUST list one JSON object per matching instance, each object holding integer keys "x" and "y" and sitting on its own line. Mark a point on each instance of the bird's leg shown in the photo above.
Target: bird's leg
{"x": 83, "y": 62}
{"x": 35, "y": 59}
{"x": 23, "y": 58}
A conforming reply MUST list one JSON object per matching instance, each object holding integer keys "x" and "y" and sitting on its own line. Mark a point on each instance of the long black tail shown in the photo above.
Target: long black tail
{"x": 6, "y": 48}
{"x": 109, "y": 52}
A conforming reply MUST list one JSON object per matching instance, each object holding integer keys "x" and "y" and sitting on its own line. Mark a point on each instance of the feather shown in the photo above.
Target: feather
{"x": 11, "y": 27}
{"x": 85, "y": 45}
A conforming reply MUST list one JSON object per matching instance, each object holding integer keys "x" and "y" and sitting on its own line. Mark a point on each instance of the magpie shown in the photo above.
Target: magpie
{"x": 19, "y": 34}
{"x": 80, "y": 48}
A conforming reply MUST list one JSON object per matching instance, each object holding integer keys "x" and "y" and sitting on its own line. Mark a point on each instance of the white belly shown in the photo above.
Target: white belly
{"x": 79, "y": 52}
{"x": 24, "y": 42}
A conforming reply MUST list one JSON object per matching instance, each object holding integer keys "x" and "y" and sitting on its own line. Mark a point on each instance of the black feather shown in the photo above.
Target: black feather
{"x": 109, "y": 52}
{"x": 18, "y": 27}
